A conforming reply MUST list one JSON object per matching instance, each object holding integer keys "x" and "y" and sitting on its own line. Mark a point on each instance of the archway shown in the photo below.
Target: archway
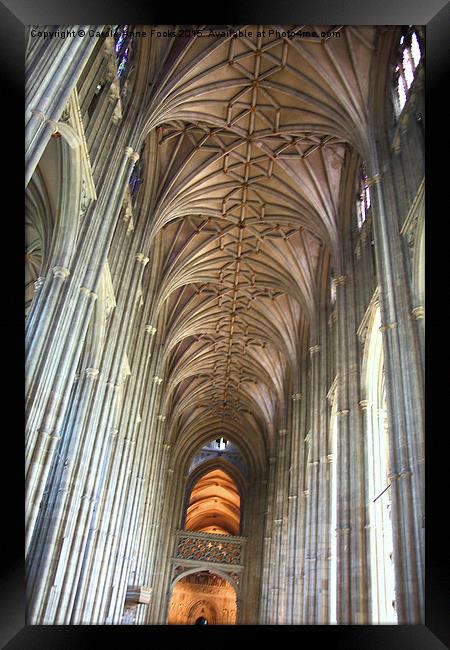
{"x": 202, "y": 594}
{"x": 378, "y": 481}
{"x": 214, "y": 505}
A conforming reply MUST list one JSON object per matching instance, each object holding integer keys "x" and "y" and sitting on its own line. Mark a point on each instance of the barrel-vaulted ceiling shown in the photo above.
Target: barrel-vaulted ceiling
{"x": 253, "y": 134}
{"x": 214, "y": 505}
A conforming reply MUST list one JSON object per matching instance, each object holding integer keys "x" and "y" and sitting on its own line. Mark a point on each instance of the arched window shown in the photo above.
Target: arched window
{"x": 222, "y": 443}
{"x": 333, "y": 510}
{"x": 363, "y": 200}
{"x": 123, "y": 48}
{"x": 378, "y": 481}
{"x": 332, "y": 291}
{"x": 408, "y": 57}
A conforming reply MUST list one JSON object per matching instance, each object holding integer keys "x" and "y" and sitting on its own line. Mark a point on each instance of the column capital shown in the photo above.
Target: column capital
{"x": 341, "y": 279}
{"x": 388, "y": 326}
{"x": 296, "y": 397}
{"x": 363, "y": 403}
{"x": 131, "y": 153}
{"x": 282, "y": 432}
{"x": 418, "y": 312}
{"x": 373, "y": 180}
{"x": 92, "y": 373}
{"x": 314, "y": 349}
{"x": 40, "y": 115}
{"x": 143, "y": 259}
{"x": 39, "y": 282}
{"x": 87, "y": 292}
{"x": 157, "y": 380}
{"x": 61, "y": 272}
{"x": 150, "y": 329}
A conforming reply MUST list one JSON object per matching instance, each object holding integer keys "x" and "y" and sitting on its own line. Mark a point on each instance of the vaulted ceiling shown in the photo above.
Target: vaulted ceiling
{"x": 214, "y": 505}
{"x": 253, "y": 135}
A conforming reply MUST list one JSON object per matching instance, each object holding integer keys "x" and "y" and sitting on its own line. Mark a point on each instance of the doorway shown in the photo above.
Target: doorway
{"x": 202, "y": 595}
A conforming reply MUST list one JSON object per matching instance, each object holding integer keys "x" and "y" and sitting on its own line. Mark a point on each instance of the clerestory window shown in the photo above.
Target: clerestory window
{"x": 408, "y": 58}
{"x": 363, "y": 200}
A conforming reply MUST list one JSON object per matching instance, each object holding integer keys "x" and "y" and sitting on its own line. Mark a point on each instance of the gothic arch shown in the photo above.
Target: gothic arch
{"x": 207, "y": 605}
{"x": 206, "y": 468}
{"x": 381, "y": 559}
{"x": 188, "y": 572}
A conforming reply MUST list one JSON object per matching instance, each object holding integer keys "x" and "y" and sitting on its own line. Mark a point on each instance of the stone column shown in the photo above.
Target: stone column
{"x": 267, "y": 596}
{"x": 97, "y": 455}
{"x": 297, "y": 497}
{"x": 118, "y": 492}
{"x": 351, "y": 520}
{"x": 51, "y": 75}
{"x": 404, "y": 394}
{"x": 143, "y": 493}
{"x": 52, "y": 360}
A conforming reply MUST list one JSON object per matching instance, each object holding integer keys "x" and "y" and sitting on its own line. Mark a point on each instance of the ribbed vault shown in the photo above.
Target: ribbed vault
{"x": 254, "y": 135}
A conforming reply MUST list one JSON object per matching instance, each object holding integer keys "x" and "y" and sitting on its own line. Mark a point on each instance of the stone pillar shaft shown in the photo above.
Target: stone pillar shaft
{"x": 404, "y": 399}
{"x": 50, "y": 79}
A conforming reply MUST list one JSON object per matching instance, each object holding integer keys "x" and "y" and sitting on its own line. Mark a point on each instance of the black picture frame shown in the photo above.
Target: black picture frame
{"x": 435, "y": 14}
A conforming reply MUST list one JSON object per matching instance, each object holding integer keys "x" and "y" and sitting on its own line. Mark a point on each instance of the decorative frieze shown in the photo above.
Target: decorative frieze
{"x": 221, "y": 549}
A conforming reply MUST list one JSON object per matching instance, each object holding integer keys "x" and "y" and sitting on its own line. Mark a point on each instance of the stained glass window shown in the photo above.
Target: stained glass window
{"x": 120, "y": 39}
{"x": 408, "y": 58}
{"x": 123, "y": 63}
{"x": 124, "y": 38}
